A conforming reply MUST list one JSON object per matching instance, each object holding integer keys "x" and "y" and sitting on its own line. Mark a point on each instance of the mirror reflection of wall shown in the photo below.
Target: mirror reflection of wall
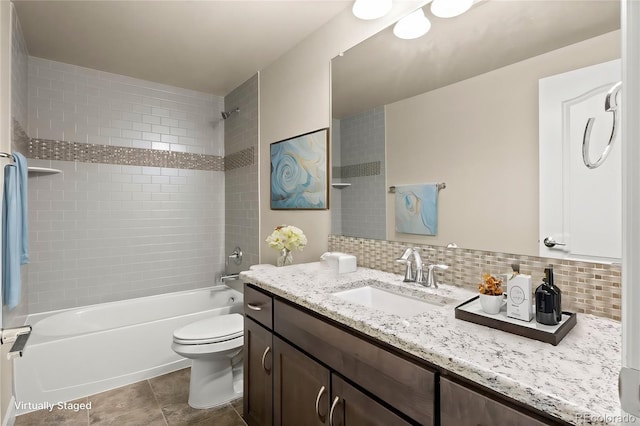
{"x": 360, "y": 163}
{"x": 462, "y": 108}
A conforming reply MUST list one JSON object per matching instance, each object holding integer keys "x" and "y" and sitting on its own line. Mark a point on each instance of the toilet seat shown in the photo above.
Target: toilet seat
{"x": 220, "y": 328}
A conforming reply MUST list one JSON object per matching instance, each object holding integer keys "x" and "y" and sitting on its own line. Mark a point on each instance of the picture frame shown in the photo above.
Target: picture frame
{"x": 300, "y": 172}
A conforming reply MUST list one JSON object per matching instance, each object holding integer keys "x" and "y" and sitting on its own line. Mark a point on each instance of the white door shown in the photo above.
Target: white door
{"x": 579, "y": 207}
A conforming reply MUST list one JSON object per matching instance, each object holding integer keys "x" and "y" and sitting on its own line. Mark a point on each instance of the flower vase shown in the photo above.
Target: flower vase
{"x": 285, "y": 258}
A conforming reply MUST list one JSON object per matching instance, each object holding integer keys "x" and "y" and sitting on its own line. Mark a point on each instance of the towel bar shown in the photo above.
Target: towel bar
{"x": 18, "y": 336}
{"x": 6, "y": 155}
{"x": 392, "y": 189}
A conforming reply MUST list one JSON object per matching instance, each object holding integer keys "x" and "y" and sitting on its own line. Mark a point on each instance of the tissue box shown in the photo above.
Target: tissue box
{"x": 519, "y": 300}
{"x": 340, "y": 262}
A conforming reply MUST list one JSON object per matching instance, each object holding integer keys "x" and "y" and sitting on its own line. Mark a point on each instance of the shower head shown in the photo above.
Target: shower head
{"x": 227, "y": 114}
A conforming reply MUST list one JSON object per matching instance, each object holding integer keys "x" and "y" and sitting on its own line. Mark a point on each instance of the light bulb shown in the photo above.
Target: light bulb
{"x": 371, "y": 9}
{"x": 412, "y": 26}
{"x": 450, "y": 8}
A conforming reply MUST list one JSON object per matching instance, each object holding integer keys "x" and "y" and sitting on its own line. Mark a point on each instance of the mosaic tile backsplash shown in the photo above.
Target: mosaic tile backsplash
{"x": 593, "y": 288}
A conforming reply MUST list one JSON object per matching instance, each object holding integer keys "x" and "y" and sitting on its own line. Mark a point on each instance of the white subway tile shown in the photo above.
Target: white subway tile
{"x": 150, "y": 136}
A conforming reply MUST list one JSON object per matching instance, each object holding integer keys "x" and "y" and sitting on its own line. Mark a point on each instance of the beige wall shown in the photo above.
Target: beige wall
{"x": 480, "y": 136}
{"x": 6, "y": 377}
{"x": 295, "y": 98}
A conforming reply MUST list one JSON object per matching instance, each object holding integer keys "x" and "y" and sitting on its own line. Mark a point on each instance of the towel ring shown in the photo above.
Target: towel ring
{"x": 610, "y": 105}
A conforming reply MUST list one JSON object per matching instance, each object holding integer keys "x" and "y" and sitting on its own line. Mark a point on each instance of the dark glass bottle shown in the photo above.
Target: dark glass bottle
{"x": 548, "y": 300}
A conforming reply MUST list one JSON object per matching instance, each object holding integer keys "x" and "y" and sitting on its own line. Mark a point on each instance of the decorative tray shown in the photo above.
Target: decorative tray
{"x": 472, "y": 311}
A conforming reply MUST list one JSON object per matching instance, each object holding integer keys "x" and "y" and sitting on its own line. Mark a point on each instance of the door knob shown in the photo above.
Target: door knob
{"x": 550, "y": 242}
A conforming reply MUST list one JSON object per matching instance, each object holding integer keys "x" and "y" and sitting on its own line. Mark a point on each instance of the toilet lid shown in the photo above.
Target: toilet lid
{"x": 210, "y": 330}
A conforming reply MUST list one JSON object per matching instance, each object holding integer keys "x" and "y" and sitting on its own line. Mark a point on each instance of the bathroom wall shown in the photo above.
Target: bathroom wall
{"x": 6, "y": 374}
{"x": 241, "y": 174}
{"x": 362, "y": 156}
{"x": 484, "y": 146}
{"x": 139, "y": 206}
{"x": 295, "y": 98}
{"x": 335, "y": 194}
{"x": 19, "y": 60}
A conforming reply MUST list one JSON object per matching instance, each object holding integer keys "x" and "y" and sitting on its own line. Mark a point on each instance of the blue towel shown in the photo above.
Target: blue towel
{"x": 14, "y": 229}
{"x": 417, "y": 209}
{"x": 23, "y": 194}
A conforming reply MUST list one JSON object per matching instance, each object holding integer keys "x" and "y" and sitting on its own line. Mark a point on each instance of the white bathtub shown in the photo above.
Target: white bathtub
{"x": 82, "y": 351}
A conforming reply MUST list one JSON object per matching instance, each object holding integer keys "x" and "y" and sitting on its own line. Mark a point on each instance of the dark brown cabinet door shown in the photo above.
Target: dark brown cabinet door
{"x": 258, "y": 368}
{"x": 300, "y": 386}
{"x": 350, "y": 407}
{"x": 461, "y": 406}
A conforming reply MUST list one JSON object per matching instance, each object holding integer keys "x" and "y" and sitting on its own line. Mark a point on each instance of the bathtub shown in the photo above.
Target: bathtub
{"x": 82, "y": 351}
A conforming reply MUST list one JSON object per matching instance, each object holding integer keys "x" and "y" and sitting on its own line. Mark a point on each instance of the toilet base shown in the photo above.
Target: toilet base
{"x": 212, "y": 383}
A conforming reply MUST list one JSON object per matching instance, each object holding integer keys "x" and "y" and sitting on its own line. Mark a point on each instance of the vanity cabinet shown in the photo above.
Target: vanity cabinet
{"x": 305, "y": 369}
{"x": 258, "y": 358}
{"x": 300, "y": 389}
{"x": 307, "y": 393}
{"x": 461, "y": 406}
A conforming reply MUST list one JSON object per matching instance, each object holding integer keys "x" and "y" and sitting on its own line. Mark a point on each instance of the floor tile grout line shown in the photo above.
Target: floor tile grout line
{"x": 155, "y": 397}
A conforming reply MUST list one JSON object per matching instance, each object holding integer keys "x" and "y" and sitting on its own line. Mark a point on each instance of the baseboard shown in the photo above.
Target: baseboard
{"x": 10, "y": 417}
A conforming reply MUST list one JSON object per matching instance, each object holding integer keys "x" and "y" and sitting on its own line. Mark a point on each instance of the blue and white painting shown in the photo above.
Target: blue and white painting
{"x": 417, "y": 209}
{"x": 299, "y": 172}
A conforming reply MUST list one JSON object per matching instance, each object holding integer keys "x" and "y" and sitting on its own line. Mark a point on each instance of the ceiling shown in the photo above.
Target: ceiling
{"x": 209, "y": 46}
{"x": 493, "y": 34}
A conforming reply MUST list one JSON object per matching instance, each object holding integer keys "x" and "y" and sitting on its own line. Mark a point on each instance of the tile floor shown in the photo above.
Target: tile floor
{"x": 161, "y": 401}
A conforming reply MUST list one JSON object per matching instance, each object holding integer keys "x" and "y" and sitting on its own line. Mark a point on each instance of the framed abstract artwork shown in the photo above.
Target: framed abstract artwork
{"x": 299, "y": 172}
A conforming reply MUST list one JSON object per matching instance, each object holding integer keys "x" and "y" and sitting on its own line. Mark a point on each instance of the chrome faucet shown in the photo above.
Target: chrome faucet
{"x": 405, "y": 259}
{"x": 419, "y": 277}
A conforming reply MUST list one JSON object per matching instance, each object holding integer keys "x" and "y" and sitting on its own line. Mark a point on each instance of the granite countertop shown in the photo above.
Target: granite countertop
{"x": 575, "y": 381}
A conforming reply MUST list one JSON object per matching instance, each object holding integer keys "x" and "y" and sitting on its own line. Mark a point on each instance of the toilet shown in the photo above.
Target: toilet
{"x": 211, "y": 344}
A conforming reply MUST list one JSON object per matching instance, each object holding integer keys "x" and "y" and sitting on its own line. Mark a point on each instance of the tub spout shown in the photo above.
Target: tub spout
{"x": 223, "y": 278}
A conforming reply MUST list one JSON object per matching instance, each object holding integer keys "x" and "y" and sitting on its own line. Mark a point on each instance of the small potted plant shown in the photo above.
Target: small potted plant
{"x": 286, "y": 238}
{"x": 491, "y": 294}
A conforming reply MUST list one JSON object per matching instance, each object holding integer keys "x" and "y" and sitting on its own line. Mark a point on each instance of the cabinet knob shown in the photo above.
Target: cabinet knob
{"x": 264, "y": 357}
{"x": 322, "y": 417}
{"x": 336, "y": 400}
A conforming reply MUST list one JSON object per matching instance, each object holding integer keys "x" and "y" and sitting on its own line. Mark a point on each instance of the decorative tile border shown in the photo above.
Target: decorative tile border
{"x": 20, "y": 140}
{"x": 357, "y": 170}
{"x": 593, "y": 288}
{"x": 47, "y": 149}
{"x": 243, "y": 158}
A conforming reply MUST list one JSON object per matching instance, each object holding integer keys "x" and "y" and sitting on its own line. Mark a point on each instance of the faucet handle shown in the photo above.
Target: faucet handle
{"x": 408, "y": 273}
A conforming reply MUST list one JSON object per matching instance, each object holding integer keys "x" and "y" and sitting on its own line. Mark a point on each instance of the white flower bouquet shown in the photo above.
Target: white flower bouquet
{"x": 287, "y": 237}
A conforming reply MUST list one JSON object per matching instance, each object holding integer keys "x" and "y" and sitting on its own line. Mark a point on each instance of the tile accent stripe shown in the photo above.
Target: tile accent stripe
{"x": 593, "y": 288}
{"x": 243, "y": 158}
{"x": 47, "y": 149}
{"x": 357, "y": 170}
{"x": 20, "y": 138}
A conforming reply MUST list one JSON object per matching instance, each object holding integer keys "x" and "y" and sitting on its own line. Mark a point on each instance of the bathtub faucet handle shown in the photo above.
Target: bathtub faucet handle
{"x": 236, "y": 255}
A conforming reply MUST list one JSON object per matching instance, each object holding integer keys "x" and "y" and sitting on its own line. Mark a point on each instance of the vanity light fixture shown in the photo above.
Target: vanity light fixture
{"x": 371, "y": 9}
{"x": 450, "y": 8}
{"x": 412, "y": 26}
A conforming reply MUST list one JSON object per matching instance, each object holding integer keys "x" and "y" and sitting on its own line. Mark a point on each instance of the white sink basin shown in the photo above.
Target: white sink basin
{"x": 388, "y": 301}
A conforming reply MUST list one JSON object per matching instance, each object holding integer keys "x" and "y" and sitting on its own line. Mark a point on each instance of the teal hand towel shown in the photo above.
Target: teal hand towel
{"x": 15, "y": 232}
{"x": 417, "y": 209}
{"x": 11, "y": 228}
{"x": 23, "y": 211}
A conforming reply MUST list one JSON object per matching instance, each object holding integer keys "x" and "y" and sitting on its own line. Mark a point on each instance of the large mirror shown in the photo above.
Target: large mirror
{"x": 458, "y": 106}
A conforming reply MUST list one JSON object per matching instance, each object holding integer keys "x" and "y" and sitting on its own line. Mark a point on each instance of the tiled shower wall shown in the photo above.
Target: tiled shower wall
{"x": 241, "y": 174}
{"x": 593, "y": 288}
{"x": 362, "y": 163}
{"x": 139, "y": 206}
